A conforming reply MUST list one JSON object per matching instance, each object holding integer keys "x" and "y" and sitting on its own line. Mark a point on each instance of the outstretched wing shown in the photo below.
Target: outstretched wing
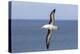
{"x": 52, "y": 17}
{"x": 48, "y": 37}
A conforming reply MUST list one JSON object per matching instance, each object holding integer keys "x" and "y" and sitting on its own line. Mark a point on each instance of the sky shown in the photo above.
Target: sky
{"x": 41, "y": 11}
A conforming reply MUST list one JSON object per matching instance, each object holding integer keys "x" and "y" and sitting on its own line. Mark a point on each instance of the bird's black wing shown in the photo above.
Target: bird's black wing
{"x": 52, "y": 17}
{"x": 48, "y": 37}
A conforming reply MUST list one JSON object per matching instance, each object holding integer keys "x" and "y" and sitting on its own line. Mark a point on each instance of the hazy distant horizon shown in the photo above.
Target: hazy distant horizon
{"x": 48, "y": 19}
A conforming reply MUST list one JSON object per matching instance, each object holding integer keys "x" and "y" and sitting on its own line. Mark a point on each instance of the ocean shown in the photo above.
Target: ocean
{"x": 27, "y": 35}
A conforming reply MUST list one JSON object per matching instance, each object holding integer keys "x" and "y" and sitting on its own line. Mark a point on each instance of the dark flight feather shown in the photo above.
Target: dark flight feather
{"x": 52, "y": 19}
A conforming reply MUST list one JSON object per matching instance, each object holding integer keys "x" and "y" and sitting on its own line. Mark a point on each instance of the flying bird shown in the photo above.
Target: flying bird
{"x": 51, "y": 27}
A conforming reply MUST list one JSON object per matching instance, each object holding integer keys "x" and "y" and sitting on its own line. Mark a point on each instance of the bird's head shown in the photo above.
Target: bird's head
{"x": 44, "y": 27}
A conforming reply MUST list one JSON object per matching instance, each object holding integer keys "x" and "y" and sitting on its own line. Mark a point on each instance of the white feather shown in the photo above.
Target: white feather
{"x": 50, "y": 26}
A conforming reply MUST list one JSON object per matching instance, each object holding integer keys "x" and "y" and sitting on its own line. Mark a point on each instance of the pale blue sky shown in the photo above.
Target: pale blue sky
{"x": 30, "y": 10}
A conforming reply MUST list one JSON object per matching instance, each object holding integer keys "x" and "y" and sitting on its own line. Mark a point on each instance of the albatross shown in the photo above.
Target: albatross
{"x": 50, "y": 27}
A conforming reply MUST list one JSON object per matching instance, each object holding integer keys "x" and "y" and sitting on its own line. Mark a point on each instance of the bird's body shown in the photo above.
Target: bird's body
{"x": 51, "y": 27}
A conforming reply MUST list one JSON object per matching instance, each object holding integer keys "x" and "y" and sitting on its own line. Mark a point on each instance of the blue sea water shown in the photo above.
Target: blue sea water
{"x": 27, "y": 35}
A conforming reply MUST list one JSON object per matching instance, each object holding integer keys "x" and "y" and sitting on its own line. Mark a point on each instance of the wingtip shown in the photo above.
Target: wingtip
{"x": 54, "y": 10}
{"x": 47, "y": 46}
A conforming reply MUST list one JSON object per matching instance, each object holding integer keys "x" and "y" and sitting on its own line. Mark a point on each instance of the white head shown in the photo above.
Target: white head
{"x": 45, "y": 27}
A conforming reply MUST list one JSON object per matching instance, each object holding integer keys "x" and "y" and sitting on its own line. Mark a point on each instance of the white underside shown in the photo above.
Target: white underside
{"x": 50, "y": 26}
